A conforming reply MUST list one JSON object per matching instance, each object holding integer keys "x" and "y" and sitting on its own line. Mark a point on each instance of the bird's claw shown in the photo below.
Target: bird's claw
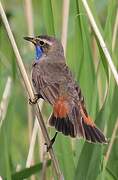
{"x": 51, "y": 142}
{"x": 34, "y": 101}
{"x": 50, "y": 146}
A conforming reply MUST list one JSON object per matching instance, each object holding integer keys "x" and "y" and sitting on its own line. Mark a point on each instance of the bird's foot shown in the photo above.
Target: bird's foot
{"x": 34, "y": 101}
{"x": 51, "y": 142}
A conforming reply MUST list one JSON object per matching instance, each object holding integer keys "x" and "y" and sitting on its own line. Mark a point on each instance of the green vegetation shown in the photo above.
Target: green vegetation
{"x": 78, "y": 159}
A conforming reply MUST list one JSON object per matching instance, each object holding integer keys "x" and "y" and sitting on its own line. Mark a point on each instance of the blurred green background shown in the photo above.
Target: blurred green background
{"x": 78, "y": 159}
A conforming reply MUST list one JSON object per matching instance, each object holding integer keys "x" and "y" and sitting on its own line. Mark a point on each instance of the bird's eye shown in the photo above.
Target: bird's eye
{"x": 41, "y": 43}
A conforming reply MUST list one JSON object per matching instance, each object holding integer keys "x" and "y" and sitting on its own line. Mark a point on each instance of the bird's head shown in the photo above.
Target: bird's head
{"x": 45, "y": 45}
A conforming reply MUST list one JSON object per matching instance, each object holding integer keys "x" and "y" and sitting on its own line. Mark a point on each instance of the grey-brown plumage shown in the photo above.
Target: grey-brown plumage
{"x": 54, "y": 82}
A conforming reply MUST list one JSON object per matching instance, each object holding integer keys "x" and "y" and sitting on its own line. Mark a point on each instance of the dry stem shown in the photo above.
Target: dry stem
{"x": 32, "y": 143}
{"x": 65, "y": 15}
{"x": 29, "y": 16}
{"x": 115, "y": 31}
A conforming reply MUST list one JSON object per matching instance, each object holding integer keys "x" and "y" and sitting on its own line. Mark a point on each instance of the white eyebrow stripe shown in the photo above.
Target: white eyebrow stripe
{"x": 45, "y": 41}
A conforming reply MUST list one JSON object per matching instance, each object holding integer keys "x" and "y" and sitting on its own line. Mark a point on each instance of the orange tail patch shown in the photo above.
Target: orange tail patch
{"x": 61, "y": 108}
{"x": 60, "y": 117}
{"x": 87, "y": 119}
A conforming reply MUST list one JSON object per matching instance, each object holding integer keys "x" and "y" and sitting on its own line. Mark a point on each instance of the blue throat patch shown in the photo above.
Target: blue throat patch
{"x": 39, "y": 52}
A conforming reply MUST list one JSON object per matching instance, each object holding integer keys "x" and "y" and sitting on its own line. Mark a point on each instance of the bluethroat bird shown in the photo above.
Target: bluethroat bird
{"x": 54, "y": 82}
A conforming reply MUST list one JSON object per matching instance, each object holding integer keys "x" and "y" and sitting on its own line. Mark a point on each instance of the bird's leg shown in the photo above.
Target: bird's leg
{"x": 51, "y": 142}
{"x": 36, "y": 97}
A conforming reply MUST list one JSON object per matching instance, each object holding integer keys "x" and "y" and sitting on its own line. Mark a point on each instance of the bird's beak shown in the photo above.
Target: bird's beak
{"x": 31, "y": 39}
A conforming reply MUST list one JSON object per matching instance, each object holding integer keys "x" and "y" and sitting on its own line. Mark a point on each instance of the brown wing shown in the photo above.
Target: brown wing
{"x": 49, "y": 80}
{"x": 49, "y": 92}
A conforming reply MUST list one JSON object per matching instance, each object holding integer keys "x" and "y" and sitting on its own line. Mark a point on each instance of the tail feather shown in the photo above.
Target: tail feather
{"x": 100, "y": 135}
{"x": 63, "y": 125}
{"x": 88, "y": 134}
{"x": 93, "y": 134}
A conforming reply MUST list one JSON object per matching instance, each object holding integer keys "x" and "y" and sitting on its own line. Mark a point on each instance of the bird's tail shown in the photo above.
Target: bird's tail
{"x": 63, "y": 125}
{"x": 74, "y": 121}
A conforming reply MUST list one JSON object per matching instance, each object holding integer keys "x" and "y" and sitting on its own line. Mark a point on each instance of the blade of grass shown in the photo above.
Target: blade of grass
{"x": 111, "y": 153}
{"x": 87, "y": 61}
{"x": 48, "y": 17}
{"x": 5, "y": 100}
{"x": 101, "y": 41}
{"x": 112, "y": 175}
{"x": 6, "y": 154}
{"x": 65, "y": 156}
{"x": 27, "y": 172}
{"x": 91, "y": 155}
{"x": 111, "y": 142}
